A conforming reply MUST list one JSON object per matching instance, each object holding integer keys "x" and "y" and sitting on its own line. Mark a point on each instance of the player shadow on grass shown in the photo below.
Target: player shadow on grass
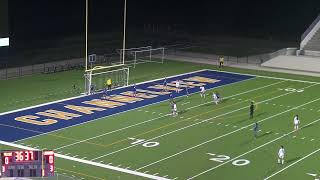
{"x": 246, "y": 142}
{"x": 210, "y": 103}
{"x": 293, "y": 159}
{"x": 247, "y": 119}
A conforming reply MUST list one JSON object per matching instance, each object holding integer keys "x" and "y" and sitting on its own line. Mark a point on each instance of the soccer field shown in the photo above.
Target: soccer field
{"x": 204, "y": 141}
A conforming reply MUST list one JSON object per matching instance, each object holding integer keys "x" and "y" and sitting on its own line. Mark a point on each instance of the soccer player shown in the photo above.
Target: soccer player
{"x": 251, "y": 109}
{"x": 92, "y": 89}
{"x": 174, "y": 109}
{"x": 296, "y": 122}
{"x": 105, "y": 93}
{"x": 202, "y": 92}
{"x": 109, "y": 83}
{"x": 281, "y": 155}
{"x": 215, "y": 97}
{"x": 165, "y": 84}
{"x": 177, "y": 86}
{"x": 187, "y": 89}
{"x": 256, "y": 129}
{"x": 171, "y": 97}
{"x": 221, "y": 61}
{"x": 134, "y": 90}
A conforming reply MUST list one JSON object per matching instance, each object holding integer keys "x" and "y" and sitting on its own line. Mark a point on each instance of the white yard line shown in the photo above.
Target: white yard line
{"x": 224, "y": 135}
{"x": 90, "y": 162}
{"x": 199, "y": 123}
{"x": 104, "y": 134}
{"x": 123, "y": 111}
{"x": 252, "y": 150}
{"x": 292, "y": 164}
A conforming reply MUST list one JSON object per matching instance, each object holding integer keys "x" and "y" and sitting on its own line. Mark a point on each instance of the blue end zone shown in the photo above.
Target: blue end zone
{"x": 13, "y": 130}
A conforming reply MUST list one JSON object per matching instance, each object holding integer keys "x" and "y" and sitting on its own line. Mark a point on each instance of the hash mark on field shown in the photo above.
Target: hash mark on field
{"x": 276, "y": 133}
{"x": 312, "y": 140}
{"x": 109, "y": 163}
{"x": 75, "y": 156}
{"x": 166, "y": 176}
{"x": 294, "y": 136}
{"x": 101, "y": 161}
{"x": 181, "y": 117}
{"x": 139, "y": 109}
{"x": 119, "y": 165}
{"x": 84, "y": 158}
{"x": 67, "y": 154}
{"x": 128, "y": 167}
{"x": 218, "y": 124}
{"x": 303, "y": 138}
{"x": 155, "y": 174}
{"x": 185, "y": 103}
{"x": 154, "y": 112}
{"x": 267, "y": 103}
{"x": 146, "y": 111}
{"x": 146, "y": 172}
{"x": 235, "y": 126}
{"x": 227, "y": 125}
{"x": 175, "y": 178}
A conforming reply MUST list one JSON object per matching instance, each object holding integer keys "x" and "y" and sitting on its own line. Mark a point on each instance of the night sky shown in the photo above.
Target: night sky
{"x": 35, "y": 19}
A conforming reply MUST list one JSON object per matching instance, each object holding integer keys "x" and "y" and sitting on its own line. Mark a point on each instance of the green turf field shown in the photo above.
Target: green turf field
{"x": 205, "y": 141}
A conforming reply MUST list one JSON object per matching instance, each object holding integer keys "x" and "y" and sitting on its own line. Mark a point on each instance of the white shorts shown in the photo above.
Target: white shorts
{"x": 281, "y": 156}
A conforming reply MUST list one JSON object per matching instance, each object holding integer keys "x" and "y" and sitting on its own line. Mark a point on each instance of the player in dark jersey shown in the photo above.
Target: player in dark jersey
{"x": 256, "y": 129}
{"x": 134, "y": 90}
{"x": 252, "y": 109}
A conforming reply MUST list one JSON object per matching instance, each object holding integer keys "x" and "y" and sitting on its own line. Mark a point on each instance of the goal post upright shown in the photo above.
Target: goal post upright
{"x": 86, "y": 32}
{"x": 124, "y": 31}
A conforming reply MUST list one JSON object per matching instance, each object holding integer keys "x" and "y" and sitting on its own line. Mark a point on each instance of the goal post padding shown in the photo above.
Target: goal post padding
{"x": 98, "y": 78}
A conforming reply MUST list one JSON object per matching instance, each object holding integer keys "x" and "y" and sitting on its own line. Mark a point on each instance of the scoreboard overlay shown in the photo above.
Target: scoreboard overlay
{"x": 29, "y": 122}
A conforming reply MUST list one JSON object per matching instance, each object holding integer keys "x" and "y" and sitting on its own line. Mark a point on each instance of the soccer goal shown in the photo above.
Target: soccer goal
{"x": 148, "y": 55}
{"x": 95, "y": 79}
{"x": 129, "y": 55}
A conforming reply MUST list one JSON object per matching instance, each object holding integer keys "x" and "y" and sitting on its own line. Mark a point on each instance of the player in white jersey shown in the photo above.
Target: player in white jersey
{"x": 296, "y": 122}
{"x": 202, "y": 92}
{"x": 177, "y": 86}
{"x": 174, "y": 109}
{"x": 215, "y": 98}
{"x": 281, "y": 154}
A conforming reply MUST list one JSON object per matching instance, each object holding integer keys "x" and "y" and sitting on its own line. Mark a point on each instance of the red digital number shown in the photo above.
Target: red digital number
{"x": 50, "y": 159}
{"x": 3, "y": 169}
{"x": 6, "y": 160}
{"x": 51, "y": 168}
{"x": 16, "y": 156}
{"x": 31, "y": 155}
{"x": 26, "y": 156}
{"x": 21, "y": 155}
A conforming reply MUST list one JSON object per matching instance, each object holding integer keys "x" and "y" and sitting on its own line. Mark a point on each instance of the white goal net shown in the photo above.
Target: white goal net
{"x": 96, "y": 80}
{"x": 147, "y": 54}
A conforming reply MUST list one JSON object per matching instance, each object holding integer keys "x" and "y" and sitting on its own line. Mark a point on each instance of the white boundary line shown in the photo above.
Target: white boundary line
{"x": 254, "y": 149}
{"x": 219, "y": 137}
{"x": 90, "y": 162}
{"x": 136, "y": 107}
{"x": 197, "y": 124}
{"x": 283, "y": 169}
{"x": 192, "y": 107}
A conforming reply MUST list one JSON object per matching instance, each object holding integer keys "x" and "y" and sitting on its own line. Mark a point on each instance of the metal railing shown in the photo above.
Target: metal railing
{"x": 310, "y": 28}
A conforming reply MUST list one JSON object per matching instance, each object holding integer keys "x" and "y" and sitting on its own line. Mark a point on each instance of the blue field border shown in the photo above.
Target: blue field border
{"x": 13, "y": 130}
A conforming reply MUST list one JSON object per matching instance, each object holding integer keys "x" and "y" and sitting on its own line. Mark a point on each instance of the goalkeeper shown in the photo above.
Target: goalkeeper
{"x": 109, "y": 83}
